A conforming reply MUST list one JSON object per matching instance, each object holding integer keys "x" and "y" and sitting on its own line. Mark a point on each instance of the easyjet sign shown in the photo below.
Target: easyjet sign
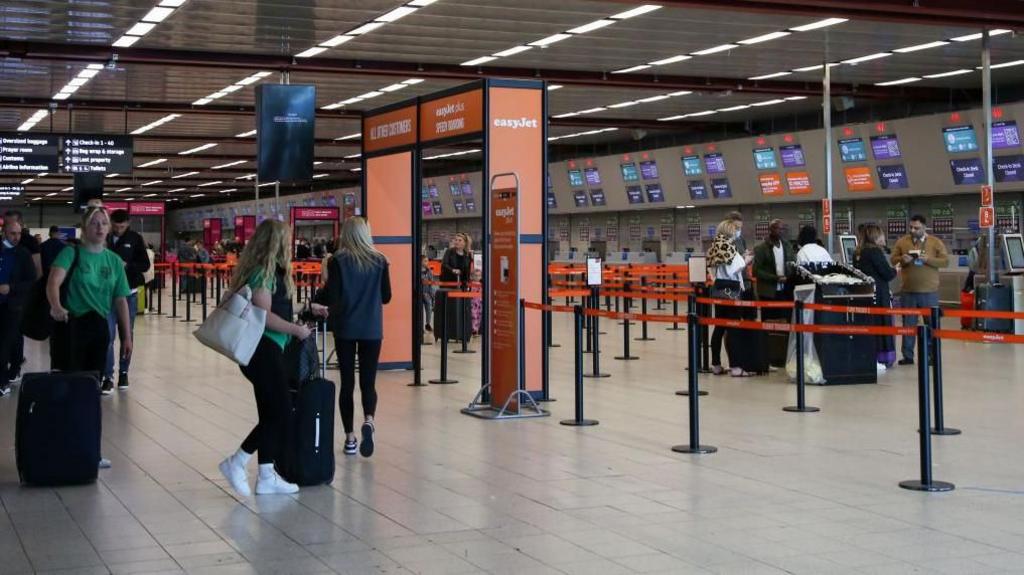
{"x": 450, "y": 116}
{"x": 516, "y": 123}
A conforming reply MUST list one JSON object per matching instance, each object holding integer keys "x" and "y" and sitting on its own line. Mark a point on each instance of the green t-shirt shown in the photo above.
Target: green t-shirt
{"x": 97, "y": 280}
{"x": 258, "y": 282}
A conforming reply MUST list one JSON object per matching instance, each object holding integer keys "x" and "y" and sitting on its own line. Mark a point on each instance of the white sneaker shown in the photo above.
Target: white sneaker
{"x": 105, "y": 463}
{"x": 236, "y": 476}
{"x": 274, "y": 485}
{"x": 880, "y": 367}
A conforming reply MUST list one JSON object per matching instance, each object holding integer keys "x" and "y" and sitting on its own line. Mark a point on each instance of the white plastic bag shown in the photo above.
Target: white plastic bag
{"x": 812, "y": 365}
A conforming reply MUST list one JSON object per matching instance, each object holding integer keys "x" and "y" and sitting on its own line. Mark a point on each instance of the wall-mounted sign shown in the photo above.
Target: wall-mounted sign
{"x": 392, "y": 129}
{"x": 454, "y": 115}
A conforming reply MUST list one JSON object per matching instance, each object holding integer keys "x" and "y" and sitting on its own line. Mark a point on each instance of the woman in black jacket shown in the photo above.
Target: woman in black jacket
{"x": 870, "y": 258}
{"x": 455, "y": 267}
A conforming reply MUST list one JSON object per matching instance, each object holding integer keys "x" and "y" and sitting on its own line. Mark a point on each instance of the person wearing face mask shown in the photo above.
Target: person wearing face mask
{"x": 919, "y": 257}
{"x": 131, "y": 248}
{"x": 729, "y": 267}
{"x": 17, "y": 273}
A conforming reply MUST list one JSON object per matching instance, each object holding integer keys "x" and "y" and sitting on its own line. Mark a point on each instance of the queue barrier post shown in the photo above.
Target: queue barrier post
{"x": 595, "y": 301}
{"x": 643, "y": 310}
{"x": 588, "y": 325}
{"x": 203, "y": 299}
{"x": 174, "y": 291}
{"x": 936, "y": 364}
{"x": 464, "y": 326}
{"x": 705, "y": 338}
{"x": 578, "y": 420}
{"x": 694, "y": 308}
{"x": 220, "y": 283}
{"x": 693, "y": 351}
{"x": 443, "y": 379}
{"x": 188, "y": 305}
{"x": 659, "y": 303}
{"x": 626, "y": 356}
{"x": 159, "y": 284}
{"x": 675, "y": 306}
{"x": 926, "y": 482}
{"x": 801, "y": 397}
{"x": 548, "y": 327}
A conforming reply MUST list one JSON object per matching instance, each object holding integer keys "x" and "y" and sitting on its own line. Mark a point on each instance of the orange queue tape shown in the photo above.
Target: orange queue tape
{"x": 464, "y": 295}
{"x": 569, "y": 293}
{"x": 746, "y": 303}
{"x": 982, "y": 336}
{"x": 635, "y": 316}
{"x": 645, "y": 295}
{"x": 923, "y": 311}
{"x": 809, "y": 328}
{"x": 442, "y": 284}
{"x": 542, "y": 307}
{"x": 971, "y": 313}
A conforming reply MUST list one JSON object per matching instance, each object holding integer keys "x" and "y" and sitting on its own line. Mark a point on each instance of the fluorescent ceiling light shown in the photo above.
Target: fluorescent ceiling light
{"x": 197, "y": 149}
{"x": 795, "y": 98}
{"x": 229, "y": 164}
{"x": 176, "y": 190}
{"x": 246, "y": 177}
{"x": 543, "y": 42}
{"x": 337, "y": 41}
{"x": 350, "y": 136}
{"x": 554, "y": 87}
{"x": 274, "y": 183}
{"x": 311, "y": 52}
{"x": 153, "y": 163}
{"x": 813, "y": 68}
{"x": 654, "y": 99}
{"x": 412, "y": 81}
{"x": 229, "y": 190}
{"x": 202, "y": 101}
{"x": 232, "y": 88}
{"x": 369, "y": 95}
{"x": 352, "y": 156}
{"x": 948, "y": 74}
{"x": 173, "y": 3}
{"x": 112, "y": 175}
{"x": 154, "y": 182}
{"x": 61, "y": 96}
{"x": 680, "y": 93}
{"x": 95, "y": 66}
{"x": 123, "y": 189}
{"x": 631, "y": 69}
{"x": 368, "y": 27}
{"x": 185, "y": 175}
{"x": 214, "y": 183}
{"x": 397, "y": 13}
{"x": 868, "y": 58}
{"x": 819, "y": 24}
{"x": 149, "y": 195}
{"x": 140, "y": 29}
{"x": 595, "y": 25}
{"x": 69, "y": 89}
{"x": 763, "y": 38}
{"x": 670, "y": 118}
{"x": 734, "y": 108}
{"x": 480, "y": 60}
{"x": 196, "y": 196}
{"x": 919, "y": 47}
{"x": 318, "y": 176}
{"x": 246, "y": 134}
{"x": 68, "y": 189}
{"x": 769, "y": 102}
{"x": 567, "y": 115}
{"x": 670, "y": 60}
{"x": 28, "y": 181}
{"x": 977, "y": 36}
{"x": 125, "y": 41}
{"x": 421, "y": 3}
{"x": 716, "y": 49}
{"x": 623, "y": 104}
{"x": 767, "y": 76}
{"x": 392, "y": 88}
{"x": 158, "y": 14}
{"x": 88, "y": 73}
{"x": 898, "y": 82}
{"x": 333, "y": 106}
{"x": 592, "y": 110}
{"x": 51, "y": 194}
{"x": 512, "y": 51}
{"x": 317, "y": 163}
{"x": 1007, "y": 64}
{"x": 638, "y": 11}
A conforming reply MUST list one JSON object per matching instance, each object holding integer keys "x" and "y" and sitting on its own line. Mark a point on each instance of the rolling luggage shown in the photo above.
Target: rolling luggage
{"x": 308, "y": 455}
{"x": 57, "y": 433}
{"x": 994, "y": 297}
{"x": 966, "y": 304}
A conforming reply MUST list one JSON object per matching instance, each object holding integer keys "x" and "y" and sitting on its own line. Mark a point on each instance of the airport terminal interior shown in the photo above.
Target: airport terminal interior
{"x": 678, "y": 287}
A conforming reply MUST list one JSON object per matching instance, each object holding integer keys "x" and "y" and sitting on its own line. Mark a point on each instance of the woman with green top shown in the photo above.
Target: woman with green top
{"x": 265, "y": 266}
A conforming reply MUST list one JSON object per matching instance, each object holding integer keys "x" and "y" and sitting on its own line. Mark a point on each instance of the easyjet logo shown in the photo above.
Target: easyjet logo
{"x": 515, "y": 123}
{"x": 453, "y": 108}
{"x": 505, "y": 212}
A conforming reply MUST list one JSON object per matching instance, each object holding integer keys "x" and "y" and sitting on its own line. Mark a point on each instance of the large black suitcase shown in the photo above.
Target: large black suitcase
{"x": 308, "y": 456}
{"x": 994, "y": 297}
{"x": 57, "y": 433}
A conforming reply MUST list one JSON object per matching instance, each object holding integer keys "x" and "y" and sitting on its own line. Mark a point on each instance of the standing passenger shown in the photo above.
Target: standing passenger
{"x": 871, "y": 260}
{"x": 131, "y": 248}
{"x": 17, "y": 274}
{"x": 264, "y": 266}
{"x": 920, "y": 257}
{"x": 728, "y": 268}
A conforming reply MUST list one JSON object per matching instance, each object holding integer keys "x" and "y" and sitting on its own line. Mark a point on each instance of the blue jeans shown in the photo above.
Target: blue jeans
{"x": 125, "y": 362}
{"x": 911, "y": 300}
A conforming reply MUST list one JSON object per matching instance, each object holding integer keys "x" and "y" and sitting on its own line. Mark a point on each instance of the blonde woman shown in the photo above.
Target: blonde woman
{"x": 728, "y": 266}
{"x": 264, "y": 266}
{"x": 358, "y": 286}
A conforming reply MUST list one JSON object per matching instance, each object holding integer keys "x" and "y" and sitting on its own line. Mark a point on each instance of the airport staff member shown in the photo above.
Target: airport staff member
{"x": 131, "y": 248}
{"x": 919, "y": 257}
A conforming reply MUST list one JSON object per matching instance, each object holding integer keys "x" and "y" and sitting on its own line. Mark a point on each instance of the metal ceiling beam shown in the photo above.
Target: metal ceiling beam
{"x": 975, "y": 14}
{"x": 31, "y": 50}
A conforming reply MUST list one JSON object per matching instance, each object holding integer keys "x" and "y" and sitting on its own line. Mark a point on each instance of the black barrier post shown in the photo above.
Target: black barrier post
{"x": 596, "y": 334}
{"x": 549, "y": 326}
{"x": 465, "y": 327}
{"x": 675, "y": 304}
{"x": 705, "y": 336}
{"x": 588, "y": 325}
{"x": 220, "y": 283}
{"x": 174, "y": 292}
{"x": 625, "y": 336}
{"x": 578, "y": 420}
{"x": 693, "y": 352}
{"x": 660, "y": 284}
{"x": 203, "y": 299}
{"x": 694, "y": 309}
{"x": 159, "y": 285}
{"x": 801, "y": 399}
{"x": 643, "y": 311}
{"x": 188, "y": 304}
{"x": 443, "y": 380}
{"x": 926, "y": 483}
{"x": 940, "y": 425}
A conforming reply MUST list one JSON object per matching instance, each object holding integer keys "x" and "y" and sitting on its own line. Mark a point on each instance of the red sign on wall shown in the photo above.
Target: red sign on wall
{"x": 212, "y": 230}
{"x": 245, "y": 227}
{"x": 147, "y": 209}
{"x": 315, "y": 214}
{"x": 986, "y": 217}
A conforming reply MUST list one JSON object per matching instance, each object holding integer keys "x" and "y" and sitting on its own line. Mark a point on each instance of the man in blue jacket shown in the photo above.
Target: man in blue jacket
{"x": 17, "y": 274}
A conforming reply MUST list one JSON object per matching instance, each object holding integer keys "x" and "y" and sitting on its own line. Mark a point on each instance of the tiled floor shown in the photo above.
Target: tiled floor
{"x": 447, "y": 493}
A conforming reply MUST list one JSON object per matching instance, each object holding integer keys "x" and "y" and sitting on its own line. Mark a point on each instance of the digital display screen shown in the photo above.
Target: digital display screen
{"x": 29, "y": 153}
{"x": 576, "y": 178}
{"x": 799, "y": 183}
{"x": 1014, "y": 252}
{"x": 715, "y": 163}
{"x": 764, "y": 159}
{"x": 285, "y": 128}
{"x": 1005, "y": 135}
{"x": 467, "y": 188}
{"x": 428, "y": 209}
{"x": 101, "y": 154}
{"x": 698, "y": 189}
{"x": 792, "y": 156}
{"x": 885, "y": 147}
{"x": 654, "y": 193}
{"x": 691, "y": 166}
{"x": 859, "y": 179}
{"x": 470, "y": 205}
{"x": 720, "y": 188}
{"x": 771, "y": 184}
{"x": 967, "y": 171}
{"x": 436, "y": 206}
{"x": 892, "y": 177}
{"x": 649, "y": 170}
{"x": 593, "y": 176}
{"x": 458, "y": 206}
{"x": 597, "y": 197}
{"x": 453, "y": 187}
{"x": 853, "y": 150}
{"x": 552, "y": 202}
{"x": 960, "y": 139}
{"x": 1009, "y": 168}
{"x": 580, "y": 199}
{"x": 634, "y": 194}
{"x": 629, "y": 172}
{"x": 431, "y": 191}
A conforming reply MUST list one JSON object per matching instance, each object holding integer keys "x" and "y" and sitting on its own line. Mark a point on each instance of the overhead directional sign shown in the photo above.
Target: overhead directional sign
{"x": 97, "y": 154}
{"x": 29, "y": 153}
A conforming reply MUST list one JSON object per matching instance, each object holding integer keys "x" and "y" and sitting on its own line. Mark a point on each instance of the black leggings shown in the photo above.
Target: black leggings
{"x": 733, "y": 344}
{"x": 369, "y": 354}
{"x": 266, "y": 372}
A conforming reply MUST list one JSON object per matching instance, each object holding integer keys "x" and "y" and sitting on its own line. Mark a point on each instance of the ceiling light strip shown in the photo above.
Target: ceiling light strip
{"x": 388, "y": 17}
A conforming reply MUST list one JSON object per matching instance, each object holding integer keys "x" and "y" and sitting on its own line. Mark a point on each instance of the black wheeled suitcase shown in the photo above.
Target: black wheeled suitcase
{"x": 57, "y": 433}
{"x": 308, "y": 457}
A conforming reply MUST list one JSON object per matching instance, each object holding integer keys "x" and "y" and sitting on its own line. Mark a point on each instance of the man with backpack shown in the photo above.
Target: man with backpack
{"x": 130, "y": 246}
